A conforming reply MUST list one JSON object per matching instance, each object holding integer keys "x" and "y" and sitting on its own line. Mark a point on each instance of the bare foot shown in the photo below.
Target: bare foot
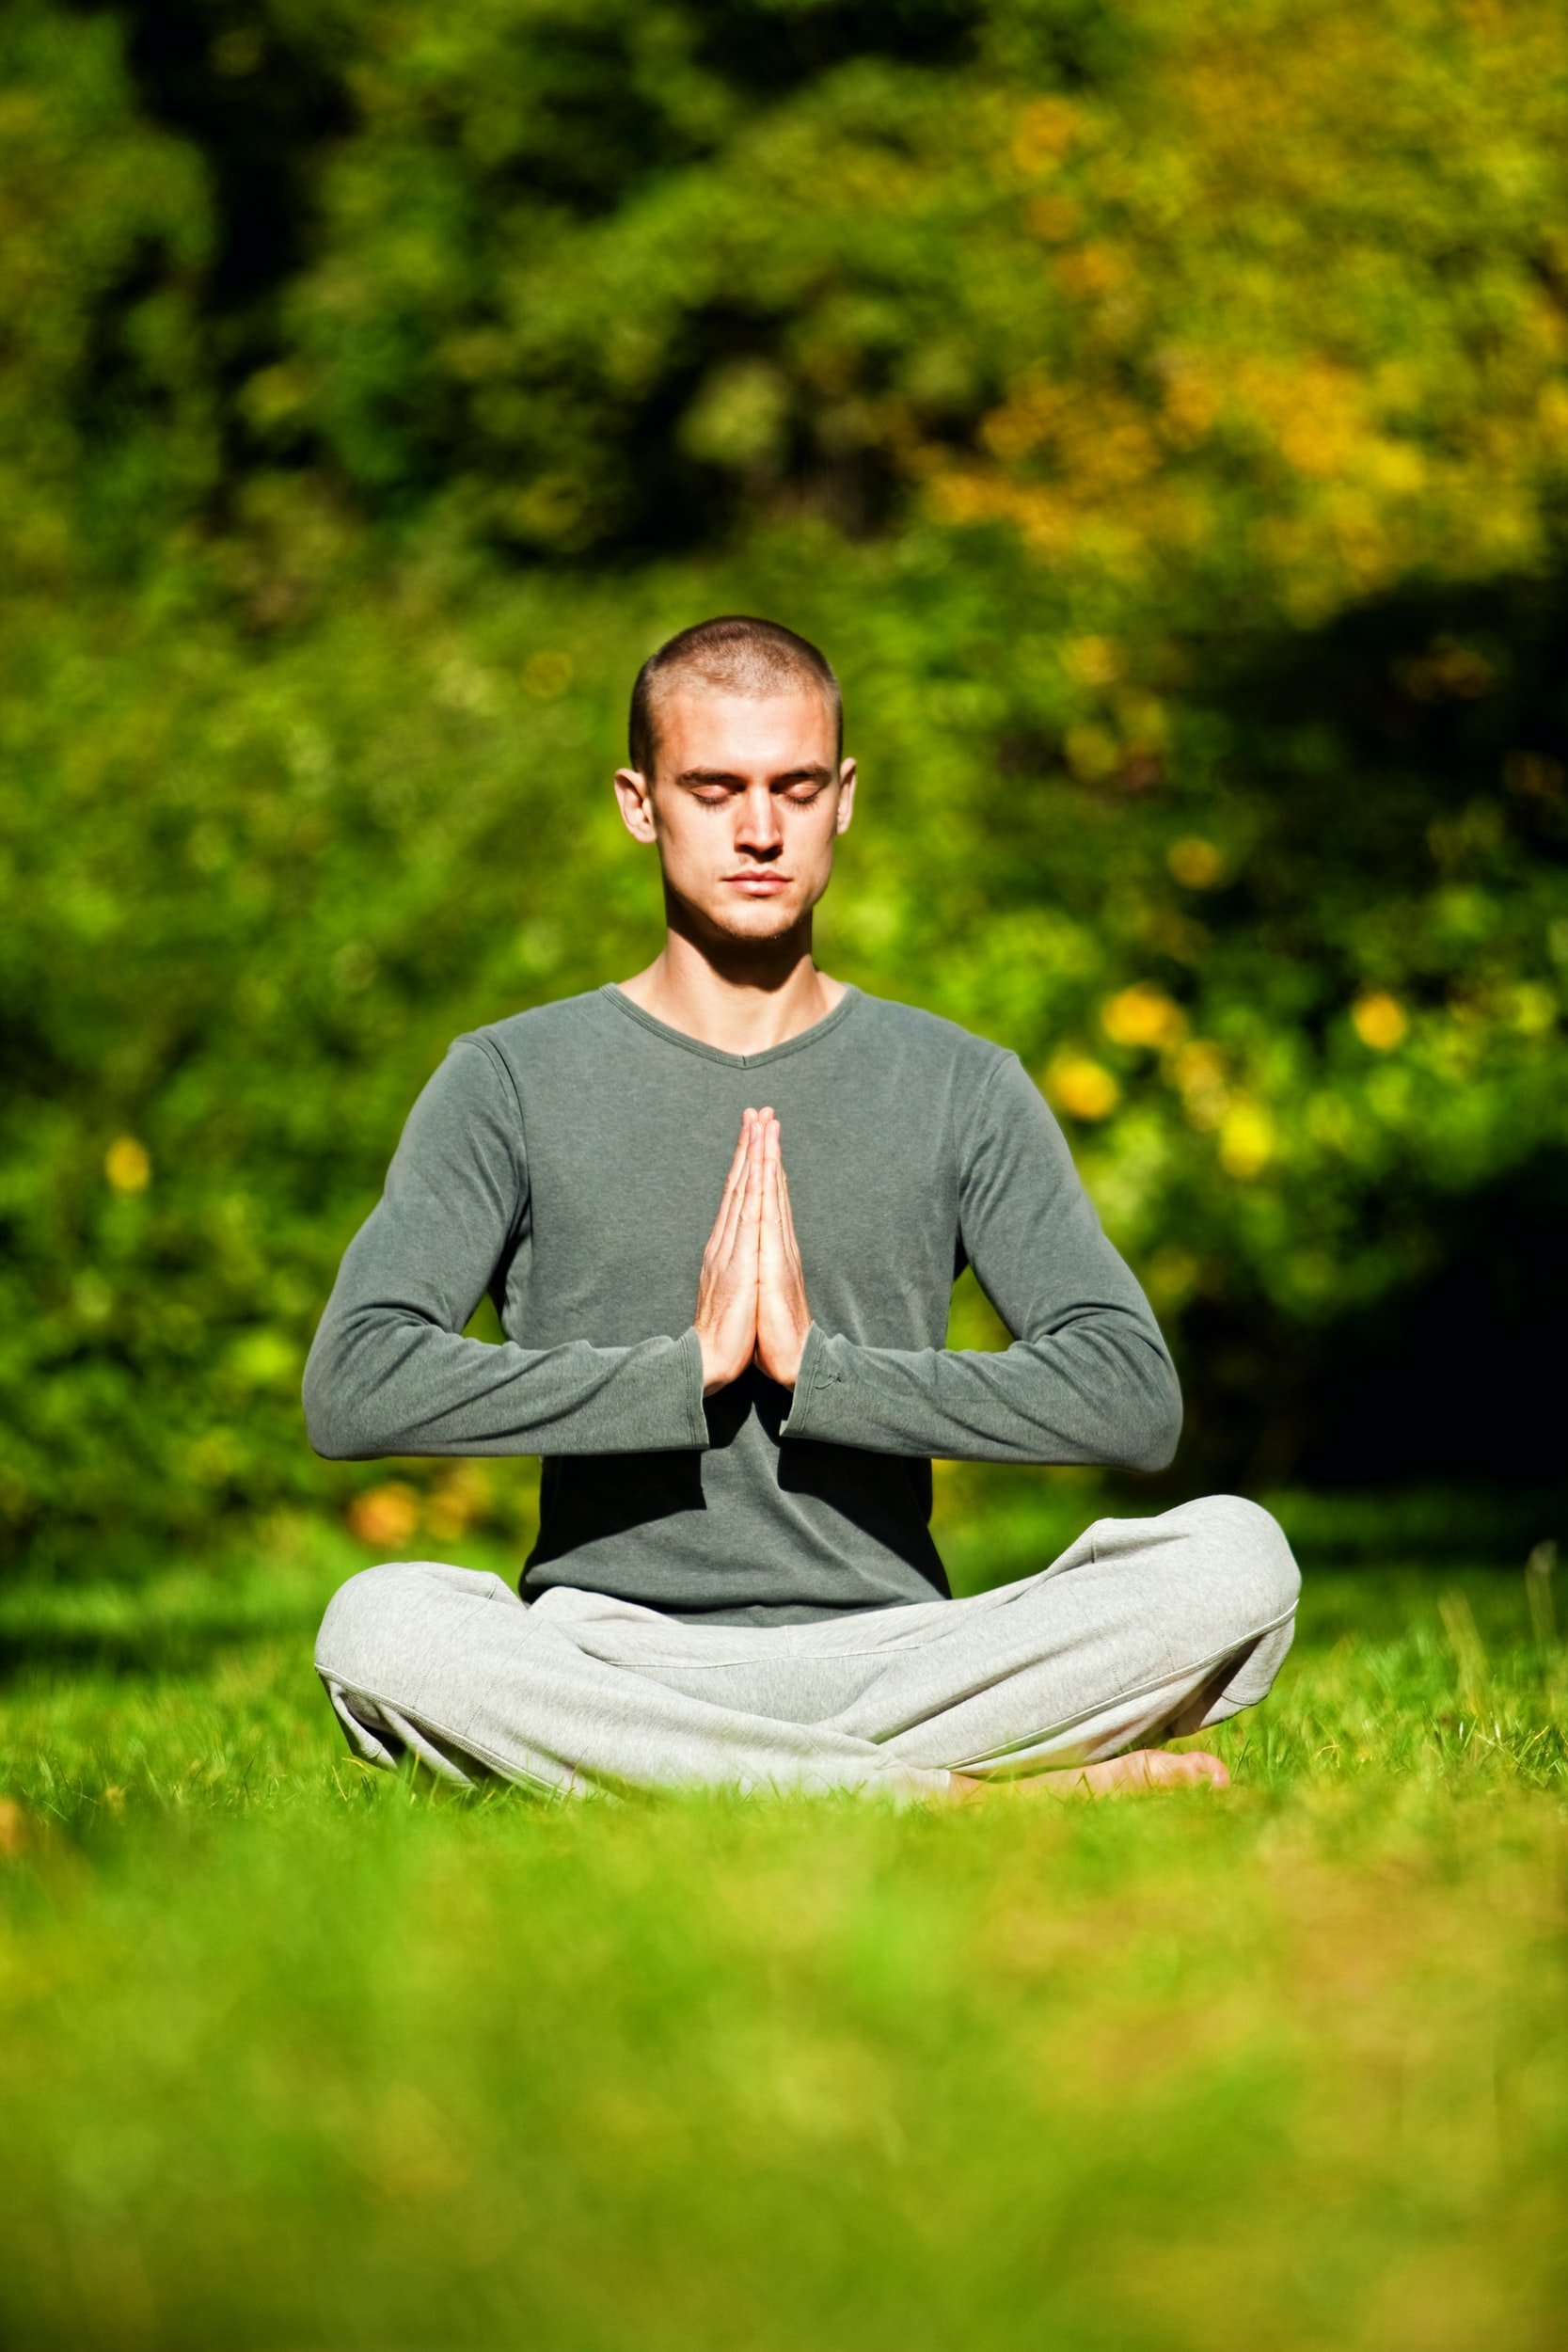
{"x": 1135, "y": 1774}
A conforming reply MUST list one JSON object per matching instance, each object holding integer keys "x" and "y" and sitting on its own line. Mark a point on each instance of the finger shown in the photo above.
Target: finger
{"x": 787, "y": 1195}
{"x": 752, "y": 1196}
{"x": 791, "y": 1243}
{"x": 733, "y": 1204}
{"x": 748, "y": 1239}
{"x": 745, "y": 1142}
{"x": 770, "y": 1177}
{"x": 737, "y": 1159}
{"x": 781, "y": 1184}
{"x": 786, "y": 1212}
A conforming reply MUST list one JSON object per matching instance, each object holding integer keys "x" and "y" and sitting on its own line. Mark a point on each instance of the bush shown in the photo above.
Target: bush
{"x": 1162, "y": 424}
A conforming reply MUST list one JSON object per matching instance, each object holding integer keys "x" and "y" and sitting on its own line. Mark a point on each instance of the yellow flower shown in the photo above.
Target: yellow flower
{"x": 127, "y": 1165}
{"x": 1142, "y": 1015}
{"x": 1084, "y": 1088}
{"x": 1379, "y": 1021}
{"x": 1199, "y": 1071}
{"x": 1196, "y": 863}
{"x": 1093, "y": 660}
{"x": 458, "y": 1499}
{"x": 1091, "y": 752}
{"x": 1246, "y": 1140}
{"x": 1046, "y": 130}
{"x": 1172, "y": 1275}
{"x": 386, "y": 1515}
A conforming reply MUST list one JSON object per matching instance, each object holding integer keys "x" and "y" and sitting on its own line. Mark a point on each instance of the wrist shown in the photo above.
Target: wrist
{"x": 785, "y": 1365}
{"x": 719, "y": 1368}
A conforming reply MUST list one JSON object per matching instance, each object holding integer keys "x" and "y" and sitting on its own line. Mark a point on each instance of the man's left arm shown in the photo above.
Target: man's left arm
{"x": 1088, "y": 1377}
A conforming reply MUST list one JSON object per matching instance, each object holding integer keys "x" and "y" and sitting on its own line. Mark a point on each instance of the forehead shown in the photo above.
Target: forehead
{"x": 700, "y": 726}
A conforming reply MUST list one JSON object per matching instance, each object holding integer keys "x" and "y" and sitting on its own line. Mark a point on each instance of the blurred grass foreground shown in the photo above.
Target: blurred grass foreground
{"x": 293, "y": 2054}
{"x": 1160, "y": 416}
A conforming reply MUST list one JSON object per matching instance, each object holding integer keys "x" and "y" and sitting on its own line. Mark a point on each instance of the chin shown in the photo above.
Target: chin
{"x": 758, "y": 919}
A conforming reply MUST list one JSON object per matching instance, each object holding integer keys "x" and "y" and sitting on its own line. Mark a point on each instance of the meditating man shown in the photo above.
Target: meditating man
{"x": 721, "y": 1208}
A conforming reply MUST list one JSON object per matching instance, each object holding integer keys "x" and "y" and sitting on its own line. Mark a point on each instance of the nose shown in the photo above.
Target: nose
{"x": 759, "y": 828}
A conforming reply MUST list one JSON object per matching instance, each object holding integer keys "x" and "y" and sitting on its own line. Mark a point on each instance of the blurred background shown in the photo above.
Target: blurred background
{"x": 1160, "y": 416}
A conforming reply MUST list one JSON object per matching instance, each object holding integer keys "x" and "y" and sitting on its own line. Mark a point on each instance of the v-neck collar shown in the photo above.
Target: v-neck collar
{"x": 714, "y": 1053}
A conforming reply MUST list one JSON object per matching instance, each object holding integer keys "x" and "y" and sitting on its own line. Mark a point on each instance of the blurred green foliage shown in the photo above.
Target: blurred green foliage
{"x": 1160, "y": 417}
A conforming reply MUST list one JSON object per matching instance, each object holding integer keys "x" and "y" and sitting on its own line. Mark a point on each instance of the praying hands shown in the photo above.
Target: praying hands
{"x": 751, "y": 1291}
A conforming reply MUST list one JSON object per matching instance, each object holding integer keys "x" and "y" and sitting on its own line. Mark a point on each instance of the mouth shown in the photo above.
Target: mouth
{"x": 758, "y": 885}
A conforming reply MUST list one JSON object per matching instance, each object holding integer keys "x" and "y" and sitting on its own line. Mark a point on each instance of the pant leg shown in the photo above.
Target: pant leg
{"x": 1142, "y": 1630}
{"x": 560, "y": 1695}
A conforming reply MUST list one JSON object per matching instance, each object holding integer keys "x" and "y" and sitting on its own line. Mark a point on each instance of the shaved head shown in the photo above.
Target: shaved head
{"x": 734, "y": 654}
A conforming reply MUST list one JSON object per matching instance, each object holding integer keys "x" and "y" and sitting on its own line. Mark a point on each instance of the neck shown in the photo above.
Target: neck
{"x": 740, "y": 996}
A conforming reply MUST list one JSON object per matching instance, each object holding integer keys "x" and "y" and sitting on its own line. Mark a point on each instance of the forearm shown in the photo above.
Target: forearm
{"x": 1100, "y": 1390}
{"x": 385, "y": 1380}
{"x": 391, "y": 1370}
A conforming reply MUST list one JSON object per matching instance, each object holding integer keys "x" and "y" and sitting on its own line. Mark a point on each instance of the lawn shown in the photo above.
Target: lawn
{"x": 294, "y": 2055}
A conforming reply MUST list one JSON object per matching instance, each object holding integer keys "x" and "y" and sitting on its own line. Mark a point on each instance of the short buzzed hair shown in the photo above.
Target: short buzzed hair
{"x": 734, "y": 655}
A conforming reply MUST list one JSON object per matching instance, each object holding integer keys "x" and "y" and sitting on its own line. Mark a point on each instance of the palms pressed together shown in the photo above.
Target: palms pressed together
{"x": 751, "y": 1291}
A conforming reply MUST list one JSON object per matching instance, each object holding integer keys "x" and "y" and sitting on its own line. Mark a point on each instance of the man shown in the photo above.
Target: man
{"x": 721, "y": 1208}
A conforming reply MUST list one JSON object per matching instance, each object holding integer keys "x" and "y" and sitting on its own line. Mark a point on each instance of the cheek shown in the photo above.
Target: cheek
{"x": 692, "y": 840}
{"x": 814, "y": 836}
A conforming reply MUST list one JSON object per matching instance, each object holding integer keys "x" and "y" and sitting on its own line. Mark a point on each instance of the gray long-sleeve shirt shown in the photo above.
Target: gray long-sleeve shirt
{"x": 570, "y": 1162}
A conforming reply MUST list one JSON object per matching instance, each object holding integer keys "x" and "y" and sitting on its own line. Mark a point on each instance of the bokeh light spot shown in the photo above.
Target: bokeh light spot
{"x": 128, "y": 1165}
{"x": 1379, "y": 1021}
{"x": 1082, "y": 1088}
{"x": 1196, "y": 863}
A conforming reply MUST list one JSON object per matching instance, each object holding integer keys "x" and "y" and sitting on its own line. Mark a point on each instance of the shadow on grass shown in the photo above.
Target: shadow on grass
{"x": 149, "y": 1649}
{"x": 174, "y": 1624}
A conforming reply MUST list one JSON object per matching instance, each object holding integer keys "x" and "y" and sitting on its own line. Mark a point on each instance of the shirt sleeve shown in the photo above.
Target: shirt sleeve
{"x": 1088, "y": 1377}
{"x": 389, "y": 1371}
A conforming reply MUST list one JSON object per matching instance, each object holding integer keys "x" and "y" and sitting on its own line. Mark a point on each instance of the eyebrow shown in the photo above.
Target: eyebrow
{"x": 725, "y": 775}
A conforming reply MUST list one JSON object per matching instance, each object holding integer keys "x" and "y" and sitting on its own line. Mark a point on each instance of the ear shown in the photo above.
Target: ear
{"x": 635, "y": 794}
{"x": 846, "y": 795}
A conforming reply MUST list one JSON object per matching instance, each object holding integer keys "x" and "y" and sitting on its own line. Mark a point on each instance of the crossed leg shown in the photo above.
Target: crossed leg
{"x": 1143, "y": 1629}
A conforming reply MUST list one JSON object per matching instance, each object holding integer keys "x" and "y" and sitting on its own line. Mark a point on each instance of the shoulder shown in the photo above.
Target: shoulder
{"x": 524, "y": 1040}
{"x": 480, "y": 1083}
{"x": 995, "y": 1107}
{"x": 938, "y": 1044}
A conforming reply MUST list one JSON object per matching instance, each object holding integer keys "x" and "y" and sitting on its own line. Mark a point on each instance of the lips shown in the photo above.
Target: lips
{"x": 758, "y": 885}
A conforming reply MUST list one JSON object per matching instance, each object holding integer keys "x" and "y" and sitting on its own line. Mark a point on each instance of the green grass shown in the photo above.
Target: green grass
{"x": 294, "y": 2055}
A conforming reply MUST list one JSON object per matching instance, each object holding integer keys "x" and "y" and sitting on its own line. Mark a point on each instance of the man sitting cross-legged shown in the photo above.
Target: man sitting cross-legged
{"x": 719, "y": 1209}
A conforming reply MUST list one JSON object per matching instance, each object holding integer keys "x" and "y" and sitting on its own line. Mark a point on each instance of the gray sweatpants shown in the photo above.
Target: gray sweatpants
{"x": 1144, "y": 1629}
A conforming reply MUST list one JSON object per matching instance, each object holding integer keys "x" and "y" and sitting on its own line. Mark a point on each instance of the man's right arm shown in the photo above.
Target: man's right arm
{"x": 389, "y": 1371}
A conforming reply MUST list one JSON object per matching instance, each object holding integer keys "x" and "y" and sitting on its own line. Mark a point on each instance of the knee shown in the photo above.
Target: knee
{"x": 386, "y": 1617}
{"x": 1248, "y": 1559}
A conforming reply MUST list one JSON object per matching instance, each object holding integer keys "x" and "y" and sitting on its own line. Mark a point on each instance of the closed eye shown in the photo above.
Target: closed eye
{"x": 800, "y": 784}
